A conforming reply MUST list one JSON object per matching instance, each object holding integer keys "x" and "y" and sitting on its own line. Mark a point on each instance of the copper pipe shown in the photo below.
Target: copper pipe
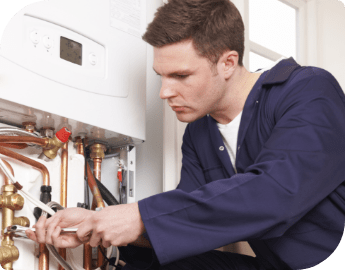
{"x": 64, "y": 171}
{"x": 63, "y": 192}
{"x": 44, "y": 253}
{"x": 43, "y": 260}
{"x": 63, "y": 254}
{"x": 14, "y": 145}
{"x": 26, "y": 160}
{"x": 97, "y": 154}
{"x": 97, "y": 162}
{"x": 87, "y": 256}
{"x": 87, "y": 247}
{"x": 97, "y": 172}
{"x": 24, "y": 139}
{"x": 80, "y": 145}
{"x": 94, "y": 188}
{"x": 6, "y": 180}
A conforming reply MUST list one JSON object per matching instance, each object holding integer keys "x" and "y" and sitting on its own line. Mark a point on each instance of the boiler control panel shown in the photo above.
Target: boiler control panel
{"x": 63, "y": 48}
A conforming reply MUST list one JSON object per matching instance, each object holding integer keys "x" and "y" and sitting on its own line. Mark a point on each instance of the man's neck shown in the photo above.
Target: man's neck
{"x": 239, "y": 86}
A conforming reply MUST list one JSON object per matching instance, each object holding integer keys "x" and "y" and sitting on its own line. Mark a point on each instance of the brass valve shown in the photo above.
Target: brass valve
{"x": 53, "y": 147}
{"x": 54, "y": 144}
{"x": 97, "y": 151}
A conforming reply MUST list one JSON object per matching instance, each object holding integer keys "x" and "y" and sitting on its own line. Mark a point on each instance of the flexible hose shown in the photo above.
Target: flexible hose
{"x": 106, "y": 194}
{"x": 17, "y": 132}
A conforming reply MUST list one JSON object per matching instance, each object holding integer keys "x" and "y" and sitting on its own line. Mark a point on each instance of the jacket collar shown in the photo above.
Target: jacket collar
{"x": 277, "y": 74}
{"x": 280, "y": 72}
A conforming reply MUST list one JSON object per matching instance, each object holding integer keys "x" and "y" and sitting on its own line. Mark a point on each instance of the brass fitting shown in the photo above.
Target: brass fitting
{"x": 8, "y": 254}
{"x": 21, "y": 221}
{"x": 79, "y": 145}
{"x": 97, "y": 151}
{"x": 10, "y": 201}
{"x": 53, "y": 147}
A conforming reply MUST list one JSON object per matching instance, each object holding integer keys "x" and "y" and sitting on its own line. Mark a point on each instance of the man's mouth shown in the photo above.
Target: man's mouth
{"x": 178, "y": 108}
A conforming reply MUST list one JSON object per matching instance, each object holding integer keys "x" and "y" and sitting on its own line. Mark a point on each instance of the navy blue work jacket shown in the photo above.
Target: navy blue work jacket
{"x": 288, "y": 196}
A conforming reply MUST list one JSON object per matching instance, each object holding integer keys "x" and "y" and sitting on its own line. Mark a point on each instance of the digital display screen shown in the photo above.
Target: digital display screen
{"x": 71, "y": 51}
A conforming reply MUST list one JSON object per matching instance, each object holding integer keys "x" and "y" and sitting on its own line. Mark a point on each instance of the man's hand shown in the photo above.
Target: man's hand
{"x": 114, "y": 225}
{"x": 48, "y": 230}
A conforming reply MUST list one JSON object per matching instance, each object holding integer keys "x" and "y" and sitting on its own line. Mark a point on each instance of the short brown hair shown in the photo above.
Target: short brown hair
{"x": 214, "y": 26}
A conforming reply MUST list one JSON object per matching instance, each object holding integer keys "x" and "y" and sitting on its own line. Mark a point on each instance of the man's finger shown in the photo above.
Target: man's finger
{"x": 31, "y": 235}
{"x": 85, "y": 238}
{"x": 50, "y": 229}
{"x": 84, "y": 232}
{"x": 106, "y": 244}
{"x": 54, "y": 237}
{"x": 41, "y": 230}
{"x": 95, "y": 240}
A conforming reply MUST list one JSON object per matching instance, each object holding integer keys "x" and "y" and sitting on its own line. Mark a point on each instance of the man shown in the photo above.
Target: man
{"x": 263, "y": 155}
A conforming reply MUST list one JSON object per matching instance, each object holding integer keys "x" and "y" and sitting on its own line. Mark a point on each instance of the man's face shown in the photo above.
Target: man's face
{"x": 191, "y": 88}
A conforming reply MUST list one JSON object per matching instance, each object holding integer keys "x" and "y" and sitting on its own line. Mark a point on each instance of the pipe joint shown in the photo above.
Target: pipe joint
{"x": 29, "y": 126}
{"x": 53, "y": 147}
{"x": 21, "y": 221}
{"x": 97, "y": 151}
{"x": 10, "y": 198}
{"x": 8, "y": 254}
{"x": 54, "y": 144}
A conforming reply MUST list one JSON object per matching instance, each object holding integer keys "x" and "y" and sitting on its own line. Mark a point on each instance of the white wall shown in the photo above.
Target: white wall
{"x": 150, "y": 153}
{"x": 331, "y": 37}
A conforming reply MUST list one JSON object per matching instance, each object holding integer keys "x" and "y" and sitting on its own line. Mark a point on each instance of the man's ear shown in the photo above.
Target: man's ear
{"x": 229, "y": 63}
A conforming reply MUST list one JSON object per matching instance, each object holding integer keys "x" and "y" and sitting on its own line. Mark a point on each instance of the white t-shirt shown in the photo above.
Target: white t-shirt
{"x": 229, "y": 134}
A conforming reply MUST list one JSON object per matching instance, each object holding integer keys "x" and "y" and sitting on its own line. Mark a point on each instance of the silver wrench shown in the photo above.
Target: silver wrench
{"x": 19, "y": 231}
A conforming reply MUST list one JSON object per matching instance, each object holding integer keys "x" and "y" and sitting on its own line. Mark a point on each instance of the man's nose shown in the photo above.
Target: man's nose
{"x": 167, "y": 90}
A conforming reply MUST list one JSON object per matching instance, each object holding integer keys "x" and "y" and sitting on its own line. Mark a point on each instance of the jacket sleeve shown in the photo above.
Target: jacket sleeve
{"x": 300, "y": 164}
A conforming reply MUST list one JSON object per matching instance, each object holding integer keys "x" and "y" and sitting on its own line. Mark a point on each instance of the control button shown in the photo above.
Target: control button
{"x": 34, "y": 37}
{"x": 47, "y": 42}
{"x": 93, "y": 59}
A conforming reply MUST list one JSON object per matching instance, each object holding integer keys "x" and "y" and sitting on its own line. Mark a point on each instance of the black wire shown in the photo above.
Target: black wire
{"x": 86, "y": 187}
{"x": 107, "y": 196}
{"x": 111, "y": 261}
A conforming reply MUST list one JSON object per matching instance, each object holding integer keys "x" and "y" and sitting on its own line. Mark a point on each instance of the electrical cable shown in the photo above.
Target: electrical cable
{"x": 106, "y": 194}
{"x": 110, "y": 261}
{"x": 86, "y": 195}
